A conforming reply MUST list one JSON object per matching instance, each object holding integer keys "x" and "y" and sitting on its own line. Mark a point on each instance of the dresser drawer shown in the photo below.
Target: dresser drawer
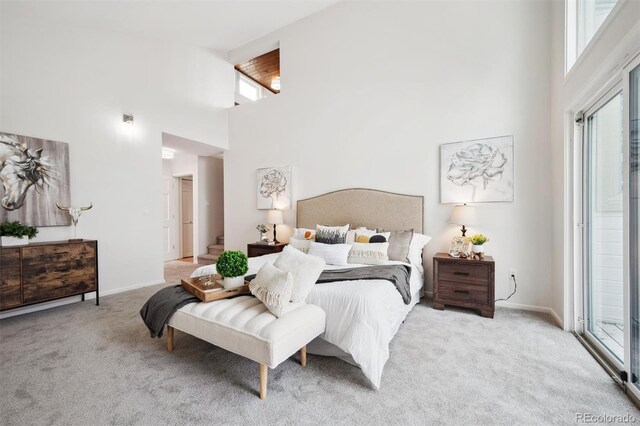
{"x": 469, "y": 273}
{"x": 10, "y": 257}
{"x": 57, "y": 253}
{"x": 37, "y": 291}
{"x": 10, "y": 293}
{"x": 469, "y": 293}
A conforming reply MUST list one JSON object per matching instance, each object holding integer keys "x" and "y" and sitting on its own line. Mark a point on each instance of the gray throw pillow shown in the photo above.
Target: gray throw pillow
{"x": 399, "y": 244}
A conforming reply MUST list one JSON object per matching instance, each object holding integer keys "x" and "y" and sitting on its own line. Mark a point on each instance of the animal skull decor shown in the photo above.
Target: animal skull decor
{"x": 75, "y": 213}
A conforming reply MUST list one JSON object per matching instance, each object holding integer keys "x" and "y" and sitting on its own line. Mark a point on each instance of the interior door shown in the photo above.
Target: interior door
{"x": 604, "y": 223}
{"x": 170, "y": 233}
{"x": 187, "y": 217}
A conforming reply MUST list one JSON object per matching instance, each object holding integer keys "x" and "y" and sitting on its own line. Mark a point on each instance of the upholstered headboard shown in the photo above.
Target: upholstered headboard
{"x": 362, "y": 207}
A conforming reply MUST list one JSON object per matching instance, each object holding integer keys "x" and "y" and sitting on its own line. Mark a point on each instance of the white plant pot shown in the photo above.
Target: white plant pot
{"x": 478, "y": 248}
{"x": 233, "y": 282}
{"x": 13, "y": 241}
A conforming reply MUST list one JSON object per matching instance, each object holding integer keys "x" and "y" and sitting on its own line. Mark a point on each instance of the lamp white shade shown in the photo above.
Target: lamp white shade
{"x": 274, "y": 217}
{"x": 463, "y": 215}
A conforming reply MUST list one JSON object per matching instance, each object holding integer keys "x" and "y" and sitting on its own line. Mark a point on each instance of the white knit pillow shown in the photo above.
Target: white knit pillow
{"x": 333, "y": 254}
{"x": 369, "y": 253}
{"x": 297, "y": 243}
{"x": 304, "y": 269}
{"x": 272, "y": 287}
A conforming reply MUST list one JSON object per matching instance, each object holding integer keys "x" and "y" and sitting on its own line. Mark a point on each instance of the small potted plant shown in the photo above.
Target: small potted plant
{"x": 478, "y": 241}
{"x": 232, "y": 265}
{"x": 14, "y": 233}
{"x": 263, "y": 230}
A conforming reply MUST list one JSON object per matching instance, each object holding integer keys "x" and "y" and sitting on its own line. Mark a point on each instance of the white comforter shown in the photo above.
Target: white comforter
{"x": 362, "y": 316}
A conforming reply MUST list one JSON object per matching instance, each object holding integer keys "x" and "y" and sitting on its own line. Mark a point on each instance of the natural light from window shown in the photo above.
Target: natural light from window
{"x": 583, "y": 18}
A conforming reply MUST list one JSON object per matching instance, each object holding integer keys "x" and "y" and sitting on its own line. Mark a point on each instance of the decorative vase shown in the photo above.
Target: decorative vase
{"x": 478, "y": 248}
{"x": 13, "y": 241}
{"x": 233, "y": 282}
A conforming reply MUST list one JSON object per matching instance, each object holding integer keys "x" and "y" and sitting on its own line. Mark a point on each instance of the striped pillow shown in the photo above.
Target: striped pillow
{"x": 333, "y": 254}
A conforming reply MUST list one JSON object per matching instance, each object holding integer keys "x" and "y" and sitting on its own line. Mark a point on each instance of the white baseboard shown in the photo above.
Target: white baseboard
{"x": 511, "y": 305}
{"x": 533, "y": 308}
{"x": 72, "y": 299}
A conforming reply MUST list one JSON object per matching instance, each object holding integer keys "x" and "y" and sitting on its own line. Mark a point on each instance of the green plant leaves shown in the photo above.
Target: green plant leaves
{"x": 232, "y": 264}
{"x": 18, "y": 230}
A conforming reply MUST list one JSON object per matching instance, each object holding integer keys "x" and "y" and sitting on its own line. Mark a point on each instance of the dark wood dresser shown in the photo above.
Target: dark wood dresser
{"x": 258, "y": 249}
{"x": 464, "y": 282}
{"x": 40, "y": 272}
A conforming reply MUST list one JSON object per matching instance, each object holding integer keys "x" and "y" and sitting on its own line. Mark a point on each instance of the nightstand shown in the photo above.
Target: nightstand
{"x": 464, "y": 282}
{"x": 258, "y": 249}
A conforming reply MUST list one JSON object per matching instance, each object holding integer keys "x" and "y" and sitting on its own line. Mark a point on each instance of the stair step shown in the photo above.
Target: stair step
{"x": 215, "y": 249}
{"x": 220, "y": 240}
{"x": 207, "y": 259}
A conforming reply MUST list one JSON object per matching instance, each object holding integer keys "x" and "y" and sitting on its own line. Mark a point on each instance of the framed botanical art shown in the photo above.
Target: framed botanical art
{"x": 274, "y": 188}
{"x": 35, "y": 175}
{"x": 477, "y": 171}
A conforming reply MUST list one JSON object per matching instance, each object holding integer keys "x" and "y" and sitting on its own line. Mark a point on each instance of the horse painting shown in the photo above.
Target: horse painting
{"x": 31, "y": 181}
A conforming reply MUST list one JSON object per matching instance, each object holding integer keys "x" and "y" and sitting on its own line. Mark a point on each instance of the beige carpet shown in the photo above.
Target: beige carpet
{"x": 85, "y": 365}
{"x": 175, "y": 270}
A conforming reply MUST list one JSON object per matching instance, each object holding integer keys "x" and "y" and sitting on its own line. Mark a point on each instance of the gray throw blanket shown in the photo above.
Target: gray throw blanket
{"x": 159, "y": 308}
{"x": 398, "y": 275}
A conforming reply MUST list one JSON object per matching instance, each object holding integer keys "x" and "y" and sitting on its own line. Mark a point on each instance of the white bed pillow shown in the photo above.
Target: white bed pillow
{"x": 333, "y": 254}
{"x": 418, "y": 241}
{"x": 304, "y": 233}
{"x": 369, "y": 253}
{"x": 304, "y": 269}
{"x": 272, "y": 287}
{"x": 298, "y": 244}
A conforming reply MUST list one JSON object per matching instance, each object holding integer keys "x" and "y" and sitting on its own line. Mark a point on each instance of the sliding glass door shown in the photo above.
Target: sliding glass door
{"x": 603, "y": 211}
{"x": 611, "y": 223}
{"x": 634, "y": 226}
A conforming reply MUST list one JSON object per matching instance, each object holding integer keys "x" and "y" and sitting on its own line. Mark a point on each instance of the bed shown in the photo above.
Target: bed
{"x": 362, "y": 316}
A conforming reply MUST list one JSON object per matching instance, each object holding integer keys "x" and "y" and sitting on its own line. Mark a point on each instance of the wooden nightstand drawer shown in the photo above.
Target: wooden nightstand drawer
{"x": 471, "y": 274}
{"x": 463, "y": 292}
{"x": 466, "y": 283}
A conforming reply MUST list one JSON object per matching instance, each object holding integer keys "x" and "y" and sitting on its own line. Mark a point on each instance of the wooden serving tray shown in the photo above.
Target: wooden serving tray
{"x": 196, "y": 287}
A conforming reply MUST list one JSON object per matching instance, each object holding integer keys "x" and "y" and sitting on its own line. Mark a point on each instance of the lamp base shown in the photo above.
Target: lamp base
{"x": 275, "y": 239}
{"x": 464, "y": 231}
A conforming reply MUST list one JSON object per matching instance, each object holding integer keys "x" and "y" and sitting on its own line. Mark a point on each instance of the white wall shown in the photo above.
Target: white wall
{"x": 211, "y": 201}
{"x": 371, "y": 90}
{"x": 73, "y": 85}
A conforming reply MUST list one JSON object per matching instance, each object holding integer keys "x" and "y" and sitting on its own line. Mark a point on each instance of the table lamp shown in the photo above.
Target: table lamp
{"x": 463, "y": 215}
{"x": 275, "y": 217}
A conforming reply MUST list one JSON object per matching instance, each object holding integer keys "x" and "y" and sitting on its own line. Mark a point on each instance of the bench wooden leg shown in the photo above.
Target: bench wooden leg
{"x": 169, "y": 338}
{"x": 303, "y": 356}
{"x": 264, "y": 370}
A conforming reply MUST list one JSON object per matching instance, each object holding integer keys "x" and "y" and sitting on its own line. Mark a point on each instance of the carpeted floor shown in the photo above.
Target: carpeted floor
{"x": 175, "y": 270}
{"x": 85, "y": 365}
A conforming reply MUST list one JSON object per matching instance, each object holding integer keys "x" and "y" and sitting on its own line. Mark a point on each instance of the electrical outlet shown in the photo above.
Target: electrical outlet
{"x": 512, "y": 273}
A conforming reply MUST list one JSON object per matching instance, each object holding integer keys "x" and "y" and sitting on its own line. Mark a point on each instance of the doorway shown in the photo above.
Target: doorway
{"x": 186, "y": 217}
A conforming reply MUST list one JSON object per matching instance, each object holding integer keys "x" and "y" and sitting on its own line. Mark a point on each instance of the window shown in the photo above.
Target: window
{"x": 258, "y": 78}
{"x": 248, "y": 89}
{"x": 583, "y": 18}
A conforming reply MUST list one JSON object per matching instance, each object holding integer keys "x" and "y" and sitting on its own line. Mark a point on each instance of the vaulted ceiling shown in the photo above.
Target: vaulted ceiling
{"x": 213, "y": 24}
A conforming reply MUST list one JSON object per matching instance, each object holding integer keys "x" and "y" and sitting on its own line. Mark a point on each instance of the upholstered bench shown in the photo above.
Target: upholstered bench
{"x": 244, "y": 326}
